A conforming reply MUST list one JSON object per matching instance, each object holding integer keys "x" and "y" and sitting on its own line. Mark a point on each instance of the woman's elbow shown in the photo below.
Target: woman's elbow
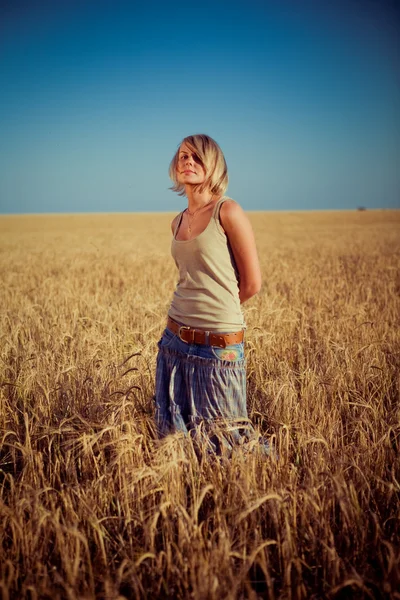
{"x": 256, "y": 283}
{"x": 250, "y": 289}
{"x": 255, "y": 287}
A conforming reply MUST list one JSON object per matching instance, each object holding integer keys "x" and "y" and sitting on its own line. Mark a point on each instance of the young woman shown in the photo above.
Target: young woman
{"x": 201, "y": 376}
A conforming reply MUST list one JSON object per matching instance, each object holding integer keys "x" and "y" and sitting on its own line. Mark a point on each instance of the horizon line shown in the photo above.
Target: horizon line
{"x": 169, "y": 212}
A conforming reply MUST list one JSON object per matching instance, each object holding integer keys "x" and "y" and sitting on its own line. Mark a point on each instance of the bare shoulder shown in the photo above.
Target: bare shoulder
{"x": 175, "y": 222}
{"x": 231, "y": 213}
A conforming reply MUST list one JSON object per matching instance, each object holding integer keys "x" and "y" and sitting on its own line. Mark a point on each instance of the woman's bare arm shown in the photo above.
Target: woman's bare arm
{"x": 241, "y": 239}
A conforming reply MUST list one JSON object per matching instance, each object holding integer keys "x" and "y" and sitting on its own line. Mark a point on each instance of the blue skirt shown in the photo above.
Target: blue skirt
{"x": 201, "y": 391}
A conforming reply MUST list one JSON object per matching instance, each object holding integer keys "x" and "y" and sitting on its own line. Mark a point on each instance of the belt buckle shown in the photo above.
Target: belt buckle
{"x": 179, "y": 332}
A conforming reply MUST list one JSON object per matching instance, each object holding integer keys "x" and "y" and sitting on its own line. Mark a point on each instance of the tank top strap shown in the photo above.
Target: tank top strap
{"x": 178, "y": 223}
{"x": 217, "y": 208}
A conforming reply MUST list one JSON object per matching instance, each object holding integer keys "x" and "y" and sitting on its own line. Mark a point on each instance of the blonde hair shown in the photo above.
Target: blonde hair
{"x": 211, "y": 159}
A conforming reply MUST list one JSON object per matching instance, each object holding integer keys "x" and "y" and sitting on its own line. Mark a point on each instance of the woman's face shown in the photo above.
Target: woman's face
{"x": 189, "y": 169}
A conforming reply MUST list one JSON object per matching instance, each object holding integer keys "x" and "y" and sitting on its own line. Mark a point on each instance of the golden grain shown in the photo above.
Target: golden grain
{"x": 93, "y": 505}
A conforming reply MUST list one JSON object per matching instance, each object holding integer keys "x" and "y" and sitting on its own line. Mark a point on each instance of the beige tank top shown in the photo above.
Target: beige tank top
{"x": 207, "y": 293}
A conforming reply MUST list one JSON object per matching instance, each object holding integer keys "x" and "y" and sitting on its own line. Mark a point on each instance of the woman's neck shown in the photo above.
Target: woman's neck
{"x": 197, "y": 199}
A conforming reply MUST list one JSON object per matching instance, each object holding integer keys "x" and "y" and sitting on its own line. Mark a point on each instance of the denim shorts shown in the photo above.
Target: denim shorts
{"x": 201, "y": 390}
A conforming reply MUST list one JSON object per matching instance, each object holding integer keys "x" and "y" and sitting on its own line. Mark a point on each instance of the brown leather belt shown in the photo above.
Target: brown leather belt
{"x": 206, "y": 338}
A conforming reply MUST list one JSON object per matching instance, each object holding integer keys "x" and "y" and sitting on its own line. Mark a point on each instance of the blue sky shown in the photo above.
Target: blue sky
{"x": 302, "y": 96}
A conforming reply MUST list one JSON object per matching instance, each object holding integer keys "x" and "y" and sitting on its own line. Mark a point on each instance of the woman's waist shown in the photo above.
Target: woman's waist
{"x": 196, "y": 335}
{"x": 220, "y": 321}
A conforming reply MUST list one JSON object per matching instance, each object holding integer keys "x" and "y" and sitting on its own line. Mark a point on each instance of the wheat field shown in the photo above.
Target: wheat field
{"x": 94, "y": 505}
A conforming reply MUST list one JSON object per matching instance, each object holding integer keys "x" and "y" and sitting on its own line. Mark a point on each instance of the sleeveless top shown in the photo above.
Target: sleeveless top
{"x": 207, "y": 293}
